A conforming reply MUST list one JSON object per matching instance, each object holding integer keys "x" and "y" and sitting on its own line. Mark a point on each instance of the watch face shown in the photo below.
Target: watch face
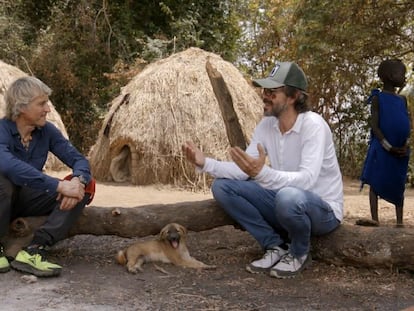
{"x": 82, "y": 179}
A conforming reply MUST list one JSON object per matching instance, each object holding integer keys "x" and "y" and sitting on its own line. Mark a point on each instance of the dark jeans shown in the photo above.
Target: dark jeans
{"x": 16, "y": 201}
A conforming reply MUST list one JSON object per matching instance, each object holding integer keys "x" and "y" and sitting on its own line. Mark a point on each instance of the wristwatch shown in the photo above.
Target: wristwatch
{"x": 82, "y": 179}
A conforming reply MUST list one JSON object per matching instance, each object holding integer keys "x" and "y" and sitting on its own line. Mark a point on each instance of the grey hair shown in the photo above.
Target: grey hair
{"x": 21, "y": 92}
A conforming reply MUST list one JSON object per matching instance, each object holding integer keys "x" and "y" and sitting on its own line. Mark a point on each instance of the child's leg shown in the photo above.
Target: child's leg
{"x": 373, "y": 203}
{"x": 399, "y": 212}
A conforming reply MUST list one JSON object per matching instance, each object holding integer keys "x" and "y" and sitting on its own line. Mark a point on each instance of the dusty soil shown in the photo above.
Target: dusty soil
{"x": 91, "y": 280}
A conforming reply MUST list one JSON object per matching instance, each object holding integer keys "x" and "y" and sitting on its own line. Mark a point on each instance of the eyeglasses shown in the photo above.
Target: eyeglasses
{"x": 269, "y": 92}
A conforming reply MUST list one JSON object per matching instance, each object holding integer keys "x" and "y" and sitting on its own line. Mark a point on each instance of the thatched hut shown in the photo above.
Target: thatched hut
{"x": 169, "y": 102}
{"x": 10, "y": 73}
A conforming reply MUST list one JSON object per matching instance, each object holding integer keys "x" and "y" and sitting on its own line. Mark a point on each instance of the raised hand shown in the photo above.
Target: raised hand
{"x": 193, "y": 154}
{"x": 251, "y": 166}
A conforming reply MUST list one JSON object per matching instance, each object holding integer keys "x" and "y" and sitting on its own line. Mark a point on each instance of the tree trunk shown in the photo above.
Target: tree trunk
{"x": 367, "y": 247}
{"x": 347, "y": 245}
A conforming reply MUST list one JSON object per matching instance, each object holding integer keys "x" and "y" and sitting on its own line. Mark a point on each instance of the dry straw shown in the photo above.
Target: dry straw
{"x": 169, "y": 102}
{"x": 10, "y": 73}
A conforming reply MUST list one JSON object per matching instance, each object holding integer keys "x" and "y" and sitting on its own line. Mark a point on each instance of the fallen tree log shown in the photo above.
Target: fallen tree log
{"x": 371, "y": 247}
{"x": 348, "y": 245}
{"x": 137, "y": 221}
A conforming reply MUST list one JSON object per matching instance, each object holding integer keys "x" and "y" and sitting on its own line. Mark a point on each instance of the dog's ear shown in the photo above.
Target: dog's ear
{"x": 182, "y": 229}
{"x": 163, "y": 233}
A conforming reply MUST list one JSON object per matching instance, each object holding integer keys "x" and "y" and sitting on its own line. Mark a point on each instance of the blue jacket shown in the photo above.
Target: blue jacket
{"x": 24, "y": 168}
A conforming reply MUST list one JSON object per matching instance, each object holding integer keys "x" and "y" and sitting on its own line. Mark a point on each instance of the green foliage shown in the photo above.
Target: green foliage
{"x": 152, "y": 30}
{"x": 72, "y": 59}
{"x": 75, "y": 45}
{"x": 357, "y": 35}
{"x": 13, "y": 48}
{"x": 339, "y": 44}
{"x": 263, "y": 34}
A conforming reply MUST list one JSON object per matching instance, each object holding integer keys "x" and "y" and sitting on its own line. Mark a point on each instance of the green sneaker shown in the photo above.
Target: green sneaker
{"x": 35, "y": 264}
{"x": 4, "y": 263}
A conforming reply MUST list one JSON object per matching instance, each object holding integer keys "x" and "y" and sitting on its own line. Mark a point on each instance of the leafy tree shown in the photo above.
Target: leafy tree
{"x": 152, "y": 30}
{"x": 339, "y": 45}
{"x": 13, "y": 48}
{"x": 357, "y": 36}
{"x": 72, "y": 58}
{"x": 74, "y": 45}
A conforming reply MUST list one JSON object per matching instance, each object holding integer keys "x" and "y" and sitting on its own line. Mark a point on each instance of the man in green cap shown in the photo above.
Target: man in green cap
{"x": 299, "y": 194}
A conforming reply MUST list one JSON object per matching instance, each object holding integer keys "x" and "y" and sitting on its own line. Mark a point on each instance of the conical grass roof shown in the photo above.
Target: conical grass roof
{"x": 169, "y": 102}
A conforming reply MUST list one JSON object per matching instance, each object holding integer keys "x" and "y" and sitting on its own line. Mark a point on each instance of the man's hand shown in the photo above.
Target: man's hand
{"x": 67, "y": 203}
{"x": 248, "y": 164}
{"x": 193, "y": 154}
{"x": 71, "y": 188}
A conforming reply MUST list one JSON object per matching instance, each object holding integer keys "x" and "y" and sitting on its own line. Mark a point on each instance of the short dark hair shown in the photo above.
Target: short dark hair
{"x": 392, "y": 71}
{"x": 301, "y": 104}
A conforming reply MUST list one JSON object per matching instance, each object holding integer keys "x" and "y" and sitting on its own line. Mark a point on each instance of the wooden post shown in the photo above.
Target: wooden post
{"x": 233, "y": 128}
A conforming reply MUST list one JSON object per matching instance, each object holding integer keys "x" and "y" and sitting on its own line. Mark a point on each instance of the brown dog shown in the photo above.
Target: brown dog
{"x": 170, "y": 247}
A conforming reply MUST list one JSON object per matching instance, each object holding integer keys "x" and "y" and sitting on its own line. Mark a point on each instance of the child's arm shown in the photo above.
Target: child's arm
{"x": 375, "y": 123}
{"x": 408, "y": 111}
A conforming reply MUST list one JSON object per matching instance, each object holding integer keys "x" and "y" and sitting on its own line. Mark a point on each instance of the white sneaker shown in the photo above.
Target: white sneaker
{"x": 269, "y": 259}
{"x": 290, "y": 266}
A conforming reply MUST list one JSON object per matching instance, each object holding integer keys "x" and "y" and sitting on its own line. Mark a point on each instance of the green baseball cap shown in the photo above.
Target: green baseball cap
{"x": 284, "y": 73}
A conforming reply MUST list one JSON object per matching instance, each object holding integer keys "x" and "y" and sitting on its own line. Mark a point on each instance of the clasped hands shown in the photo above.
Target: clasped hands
{"x": 70, "y": 193}
{"x": 399, "y": 151}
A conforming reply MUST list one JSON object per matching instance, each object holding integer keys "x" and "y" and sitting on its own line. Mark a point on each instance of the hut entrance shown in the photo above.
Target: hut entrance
{"x": 120, "y": 168}
{"x": 171, "y": 101}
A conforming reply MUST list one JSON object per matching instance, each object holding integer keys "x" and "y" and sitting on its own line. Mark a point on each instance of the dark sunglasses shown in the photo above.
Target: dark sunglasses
{"x": 269, "y": 92}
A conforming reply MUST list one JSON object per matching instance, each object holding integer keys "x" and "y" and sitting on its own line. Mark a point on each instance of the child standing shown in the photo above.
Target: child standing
{"x": 386, "y": 163}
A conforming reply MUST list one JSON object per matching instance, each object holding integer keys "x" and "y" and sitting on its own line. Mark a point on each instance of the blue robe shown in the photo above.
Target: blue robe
{"x": 385, "y": 173}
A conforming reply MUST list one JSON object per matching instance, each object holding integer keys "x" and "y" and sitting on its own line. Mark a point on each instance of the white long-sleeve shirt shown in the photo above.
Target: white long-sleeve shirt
{"x": 303, "y": 157}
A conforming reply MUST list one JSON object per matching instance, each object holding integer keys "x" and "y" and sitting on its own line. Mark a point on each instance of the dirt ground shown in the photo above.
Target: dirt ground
{"x": 91, "y": 280}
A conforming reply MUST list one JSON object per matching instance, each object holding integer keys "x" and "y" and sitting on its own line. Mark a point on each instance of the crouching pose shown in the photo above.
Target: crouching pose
{"x": 300, "y": 194}
{"x": 25, "y": 190}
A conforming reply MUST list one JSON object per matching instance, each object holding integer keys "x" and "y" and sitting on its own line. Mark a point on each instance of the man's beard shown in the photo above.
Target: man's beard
{"x": 270, "y": 110}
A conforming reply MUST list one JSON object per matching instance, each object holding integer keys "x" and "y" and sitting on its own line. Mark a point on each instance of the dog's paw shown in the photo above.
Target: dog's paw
{"x": 132, "y": 270}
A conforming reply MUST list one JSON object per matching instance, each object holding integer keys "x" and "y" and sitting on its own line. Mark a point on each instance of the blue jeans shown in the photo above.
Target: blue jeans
{"x": 275, "y": 217}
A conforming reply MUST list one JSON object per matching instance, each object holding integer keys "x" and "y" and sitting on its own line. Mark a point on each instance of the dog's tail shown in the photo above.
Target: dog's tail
{"x": 121, "y": 257}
